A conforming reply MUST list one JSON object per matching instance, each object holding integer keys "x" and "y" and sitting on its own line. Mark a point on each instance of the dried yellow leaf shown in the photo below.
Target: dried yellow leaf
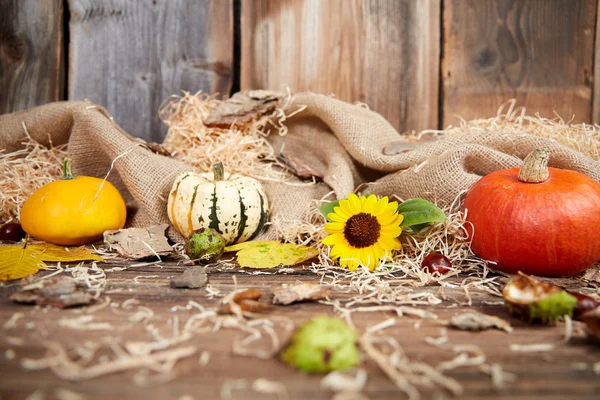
{"x": 52, "y": 252}
{"x": 271, "y": 253}
{"x": 17, "y": 262}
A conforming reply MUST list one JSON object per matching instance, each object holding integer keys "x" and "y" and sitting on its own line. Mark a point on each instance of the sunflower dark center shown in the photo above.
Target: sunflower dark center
{"x": 362, "y": 230}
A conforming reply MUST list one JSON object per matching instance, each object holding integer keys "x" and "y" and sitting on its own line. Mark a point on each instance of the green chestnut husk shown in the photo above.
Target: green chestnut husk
{"x": 322, "y": 345}
{"x": 205, "y": 245}
{"x": 537, "y": 301}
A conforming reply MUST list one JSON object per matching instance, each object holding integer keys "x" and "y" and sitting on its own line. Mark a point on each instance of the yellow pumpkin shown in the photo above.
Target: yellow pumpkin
{"x": 73, "y": 210}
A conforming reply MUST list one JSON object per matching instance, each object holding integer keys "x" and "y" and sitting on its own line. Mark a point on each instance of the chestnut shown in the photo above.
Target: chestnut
{"x": 436, "y": 263}
{"x": 585, "y": 303}
{"x": 12, "y": 231}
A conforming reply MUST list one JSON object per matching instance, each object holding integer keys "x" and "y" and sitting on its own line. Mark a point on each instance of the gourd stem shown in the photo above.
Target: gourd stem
{"x": 67, "y": 172}
{"x": 535, "y": 167}
{"x": 218, "y": 171}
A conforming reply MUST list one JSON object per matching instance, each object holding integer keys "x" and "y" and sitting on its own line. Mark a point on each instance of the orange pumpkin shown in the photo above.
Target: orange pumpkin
{"x": 538, "y": 220}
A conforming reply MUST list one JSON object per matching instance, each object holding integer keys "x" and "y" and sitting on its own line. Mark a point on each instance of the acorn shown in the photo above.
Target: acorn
{"x": 535, "y": 301}
{"x": 323, "y": 344}
{"x": 205, "y": 245}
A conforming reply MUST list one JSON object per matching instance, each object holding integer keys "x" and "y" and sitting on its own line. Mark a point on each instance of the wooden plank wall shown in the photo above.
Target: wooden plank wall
{"x": 31, "y": 53}
{"x": 383, "y": 53}
{"x": 417, "y": 62}
{"x": 129, "y": 56}
{"x": 537, "y": 51}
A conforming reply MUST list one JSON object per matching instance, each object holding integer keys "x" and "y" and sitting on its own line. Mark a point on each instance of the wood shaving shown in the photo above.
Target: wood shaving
{"x": 345, "y": 381}
{"x": 37, "y": 395}
{"x": 12, "y": 321}
{"x": 14, "y": 341}
{"x": 84, "y": 323}
{"x": 266, "y": 386}
{"x": 349, "y": 396}
{"x": 24, "y": 171}
{"x": 297, "y": 292}
{"x": 242, "y": 147}
{"x": 475, "y": 321}
{"x": 204, "y": 358}
{"x": 137, "y": 278}
{"x": 9, "y": 354}
{"x": 65, "y": 394}
{"x": 64, "y": 367}
{"x": 500, "y": 378}
{"x": 544, "y": 347}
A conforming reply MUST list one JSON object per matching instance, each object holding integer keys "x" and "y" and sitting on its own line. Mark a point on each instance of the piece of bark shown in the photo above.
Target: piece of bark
{"x": 242, "y": 108}
{"x": 474, "y": 321}
{"x": 289, "y": 294}
{"x": 137, "y": 243}
{"x": 298, "y": 167}
{"x": 192, "y": 278}
{"x": 156, "y": 148}
{"x": 59, "y": 291}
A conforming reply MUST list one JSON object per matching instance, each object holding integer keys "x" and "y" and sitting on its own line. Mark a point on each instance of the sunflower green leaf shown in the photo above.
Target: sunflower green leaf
{"x": 419, "y": 213}
{"x": 327, "y": 208}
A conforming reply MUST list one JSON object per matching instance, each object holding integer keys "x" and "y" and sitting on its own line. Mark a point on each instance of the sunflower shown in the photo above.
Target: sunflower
{"x": 364, "y": 230}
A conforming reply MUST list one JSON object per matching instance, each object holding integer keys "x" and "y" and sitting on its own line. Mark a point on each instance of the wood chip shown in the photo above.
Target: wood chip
{"x": 138, "y": 243}
{"x": 192, "y": 278}
{"x": 289, "y": 294}
{"x": 246, "y": 300}
{"x": 474, "y": 321}
{"x": 58, "y": 291}
{"x": 242, "y": 108}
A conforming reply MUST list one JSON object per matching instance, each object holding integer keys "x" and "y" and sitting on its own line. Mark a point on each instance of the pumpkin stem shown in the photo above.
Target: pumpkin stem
{"x": 218, "y": 171}
{"x": 67, "y": 172}
{"x": 535, "y": 167}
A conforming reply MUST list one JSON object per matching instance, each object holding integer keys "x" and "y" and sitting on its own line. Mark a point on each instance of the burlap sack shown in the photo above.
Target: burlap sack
{"x": 345, "y": 143}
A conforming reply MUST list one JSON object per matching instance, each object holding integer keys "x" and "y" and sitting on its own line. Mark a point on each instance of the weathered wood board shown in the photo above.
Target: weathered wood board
{"x": 31, "y": 53}
{"x": 129, "y": 56}
{"x": 539, "y": 52}
{"x": 384, "y": 53}
{"x": 563, "y": 373}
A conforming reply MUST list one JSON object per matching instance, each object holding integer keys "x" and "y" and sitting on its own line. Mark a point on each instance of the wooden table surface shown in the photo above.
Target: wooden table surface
{"x": 213, "y": 371}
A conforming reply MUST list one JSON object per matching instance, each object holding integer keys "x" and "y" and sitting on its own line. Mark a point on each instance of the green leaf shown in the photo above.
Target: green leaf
{"x": 327, "y": 208}
{"x": 419, "y": 212}
{"x": 415, "y": 228}
{"x": 271, "y": 253}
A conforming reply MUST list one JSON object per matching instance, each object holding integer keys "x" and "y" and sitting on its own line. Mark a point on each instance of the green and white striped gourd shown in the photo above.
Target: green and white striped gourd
{"x": 234, "y": 205}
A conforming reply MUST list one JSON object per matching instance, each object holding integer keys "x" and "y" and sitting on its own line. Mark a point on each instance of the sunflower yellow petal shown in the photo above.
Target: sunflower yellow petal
{"x": 379, "y": 206}
{"x": 363, "y": 257}
{"x": 393, "y": 220}
{"x": 333, "y": 239}
{"x": 338, "y": 210}
{"x": 369, "y": 203}
{"x": 391, "y": 231}
{"x": 355, "y": 205}
{"x": 334, "y": 227}
{"x": 346, "y": 207}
